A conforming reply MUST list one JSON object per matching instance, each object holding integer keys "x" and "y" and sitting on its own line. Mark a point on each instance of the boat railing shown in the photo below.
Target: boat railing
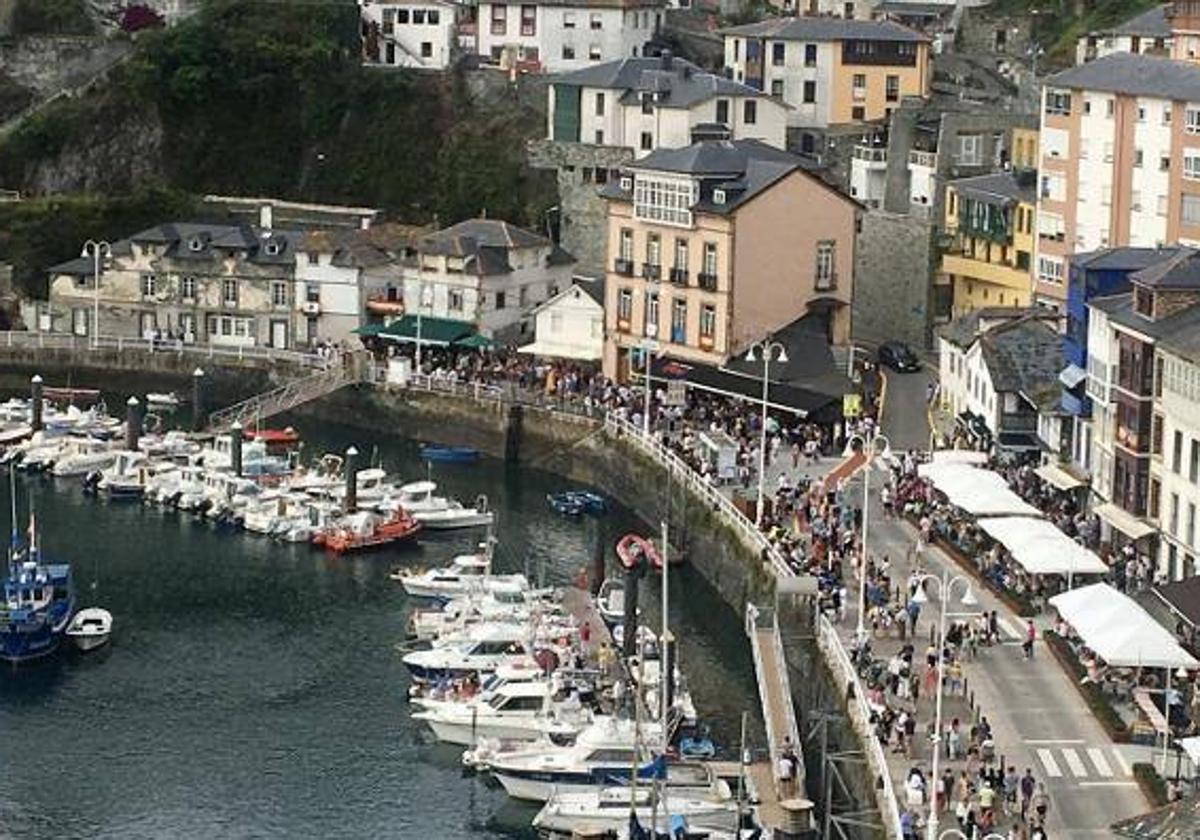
{"x": 850, "y": 686}
{"x": 22, "y": 339}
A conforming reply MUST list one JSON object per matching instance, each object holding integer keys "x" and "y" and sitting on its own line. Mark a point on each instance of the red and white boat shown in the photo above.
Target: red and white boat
{"x": 366, "y": 530}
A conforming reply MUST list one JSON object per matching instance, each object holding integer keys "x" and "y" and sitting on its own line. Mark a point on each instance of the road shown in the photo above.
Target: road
{"x": 905, "y": 409}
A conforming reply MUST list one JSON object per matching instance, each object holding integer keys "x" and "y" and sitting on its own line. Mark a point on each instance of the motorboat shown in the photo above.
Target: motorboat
{"x": 41, "y": 451}
{"x": 256, "y": 458}
{"x": 514, "y": 711}
{"x": 80, "y": 456}
{"x": 491, "y": 647}
{"x": 466, "y": 573}
{"x": 275, "y": 512}
{"x": 90, "y": 628}
{"x": 438, "y": 512}
{"x": 127, "y": 477}
{"x": 39, "y": 599}
{"x": 449, "y": 454}
{"x": 577, "y": 502}
{"x": 173, "y": 445}
{"x": 370, "y": 487}
{"x": 366, "y": 530}
{"x": 498, "y": 603}
{"x": 610, "y": 601}
{"x": 162, "y": 400}
{"x": 607, "y": 810}
{"x": 227, "y": 495}
{"x": 314, "y": 517}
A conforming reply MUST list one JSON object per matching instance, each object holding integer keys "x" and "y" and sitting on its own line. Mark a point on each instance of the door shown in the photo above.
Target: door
{"x": 310, "y": 326}
{"x": 279, "y": 334}
{"x": 187, "y": 325}
{"x": 79, "y": 321}
{"x": 148, "y": 324}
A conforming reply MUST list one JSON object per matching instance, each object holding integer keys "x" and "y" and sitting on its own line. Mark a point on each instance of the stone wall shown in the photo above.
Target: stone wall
{"x": 48, "y": 64}
{"x": 895, "y": 259}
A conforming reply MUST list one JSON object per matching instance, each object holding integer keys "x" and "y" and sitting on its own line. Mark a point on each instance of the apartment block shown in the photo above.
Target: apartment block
{"x": 1120, "y": 162}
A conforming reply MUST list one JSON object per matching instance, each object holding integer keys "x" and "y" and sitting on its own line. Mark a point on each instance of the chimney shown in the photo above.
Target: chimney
{"x": 665, "y": 60}
{"x": 266, "y": 216}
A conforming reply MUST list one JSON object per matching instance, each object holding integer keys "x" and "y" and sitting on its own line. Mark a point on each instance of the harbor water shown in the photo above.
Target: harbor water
{"x": 252, "y": 688}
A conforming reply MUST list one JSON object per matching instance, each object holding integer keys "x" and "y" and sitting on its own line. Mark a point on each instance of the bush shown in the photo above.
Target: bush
{"x": 1095, "y": 699}
{"x": 1152, "y": 784}
{"x": 51, "y": 17}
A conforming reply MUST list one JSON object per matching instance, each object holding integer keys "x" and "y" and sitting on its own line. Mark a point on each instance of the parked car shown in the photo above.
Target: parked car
{"x": 898, "y": 357}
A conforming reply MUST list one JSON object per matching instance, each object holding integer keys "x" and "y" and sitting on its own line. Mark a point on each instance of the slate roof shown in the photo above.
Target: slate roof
{"x": 1003, "y": 186}
{"x": 201, "y": 242}
{"x": 679, "y": 83}
{"x": 1121, "y": 259}
{"x": 1134, "y": 75}
{"x": 810, "y": 363}
{"x": 1180, "y": 334}
{"x": 1180, "y": 270}
{"x": 964, "y": 329}
{"x": 80, "y": 267}
{"x": 484, "y": 244}
{"x": 1151, "y": 23}
{"x": 825, "y": 29}
{"x": 1024, "y": 356}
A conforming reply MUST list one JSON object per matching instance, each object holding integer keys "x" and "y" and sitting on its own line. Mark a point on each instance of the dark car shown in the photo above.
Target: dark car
{"x": 898, "y": 357}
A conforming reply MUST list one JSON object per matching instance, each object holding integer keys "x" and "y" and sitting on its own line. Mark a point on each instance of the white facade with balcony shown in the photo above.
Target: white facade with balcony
{"x": 922, "y": 181}
{"x": 414, "y": 34}
{"x": 868, "y": 174}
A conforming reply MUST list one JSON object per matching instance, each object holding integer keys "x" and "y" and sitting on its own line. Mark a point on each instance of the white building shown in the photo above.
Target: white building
{"x": 1148, "y": 33}
{"x": 417, "y": 34}
{"x": 485, "y": 272}
{"x": 648, "y": 103}
{"x": 1178, "y": 467}
{"x": 560, "y": 35}
{"x": 570, "y": 325}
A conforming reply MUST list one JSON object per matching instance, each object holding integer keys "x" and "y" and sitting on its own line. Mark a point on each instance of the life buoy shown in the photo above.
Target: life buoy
{"x": 632, "y": 549}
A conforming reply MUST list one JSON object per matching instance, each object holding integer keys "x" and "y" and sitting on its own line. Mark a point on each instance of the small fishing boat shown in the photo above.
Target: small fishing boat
{"x": 90, "y": 628}
{"x": 81, "y": 456}
{"x": 162, "y": 401}
{"x": 439, "y": 513}
{"x": 367, "y": 530}
{"x": 576, "y": 502}
{"x": 449, "y": 454}
{"x": 126, "y": 478}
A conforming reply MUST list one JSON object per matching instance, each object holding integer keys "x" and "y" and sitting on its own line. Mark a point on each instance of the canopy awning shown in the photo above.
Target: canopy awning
{"x": 1126, "y": 523}
{"x": 1072, "y": 375}
{"x": 1118, "y": 630}
{"x": 979, "y": 492}
{"x": 368, "y": 330}
{"x": 1041, "y": 548}
{"x": 781, "y": 396}
{"x": 426, "y": 330}
{"x": 474, "y": 341}
{"x": 560, "y": 351}
{"x": 1057, "y": 477}
{"x": 960, "y": 456}
{"x": 1183, "y": 598}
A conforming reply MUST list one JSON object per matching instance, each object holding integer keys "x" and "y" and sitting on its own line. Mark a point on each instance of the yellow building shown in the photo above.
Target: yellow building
{"x": 1024, "y": 148}
{"x": 990, "y": 220}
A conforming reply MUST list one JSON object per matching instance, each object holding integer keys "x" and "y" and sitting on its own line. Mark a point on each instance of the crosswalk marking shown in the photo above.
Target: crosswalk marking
{"x": 1125, "y": 768}
{"x": 1101, "y": 763}
{"x": 1048, "y": 762}
{"x": 1078, "y": 768}
{"x": 1006, "y": 628}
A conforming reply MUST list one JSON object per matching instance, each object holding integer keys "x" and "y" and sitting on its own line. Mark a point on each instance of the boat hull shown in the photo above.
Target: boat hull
{"x": 88, "y": 642}
{"x": 465, "y": 735}
{"x": 434, "y": 522}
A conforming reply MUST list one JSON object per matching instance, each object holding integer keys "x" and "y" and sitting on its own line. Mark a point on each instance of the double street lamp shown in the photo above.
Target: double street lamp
{"x": 769, "y": 350}
{"x": 97, "y": 250}
{"x": 946, "y": 585}
{"x": 869, "y": 446}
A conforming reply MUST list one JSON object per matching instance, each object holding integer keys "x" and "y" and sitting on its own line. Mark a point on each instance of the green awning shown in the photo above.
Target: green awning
{"x": 368, "y": 330}
{"x": 474, "y": 341}
{"x": 439, "y": 331}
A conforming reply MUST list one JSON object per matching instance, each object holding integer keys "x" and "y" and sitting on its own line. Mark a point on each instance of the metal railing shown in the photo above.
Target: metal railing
{"x": 84, "y": 344}
{"x": 284, "y": 398}
{"x": 859, "y": 712}
{"x": 755, "y": 622}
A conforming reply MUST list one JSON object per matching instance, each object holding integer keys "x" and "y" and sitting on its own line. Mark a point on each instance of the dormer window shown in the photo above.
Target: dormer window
{"x": 626, "y": 183}
{"x": 272, "y": 249}
{"x": 1143, "y": 301}
{"x": 195, "y": 244}
{"x": 718, "y": 196}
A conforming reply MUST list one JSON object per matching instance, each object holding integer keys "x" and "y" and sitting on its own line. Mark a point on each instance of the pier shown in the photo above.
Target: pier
{"x": 779, "y": 715}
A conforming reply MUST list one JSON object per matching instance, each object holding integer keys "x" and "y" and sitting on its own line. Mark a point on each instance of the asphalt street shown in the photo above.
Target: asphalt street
{"x": 906, "y": 409}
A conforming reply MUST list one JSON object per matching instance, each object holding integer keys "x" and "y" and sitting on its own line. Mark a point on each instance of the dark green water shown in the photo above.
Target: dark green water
{"x": 252, "y": 689}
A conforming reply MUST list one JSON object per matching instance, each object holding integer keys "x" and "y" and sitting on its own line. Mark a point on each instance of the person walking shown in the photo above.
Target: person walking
{"x": 1041, "y": 804}
{"x": 785, "y": 771}
{"x": 1030, "y": 637}
{"x": 1028, "y": 786}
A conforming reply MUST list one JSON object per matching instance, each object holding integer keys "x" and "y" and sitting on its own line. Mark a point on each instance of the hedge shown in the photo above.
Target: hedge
{"x": 1151, "y": 783}
{"x": 1097, "y": 701}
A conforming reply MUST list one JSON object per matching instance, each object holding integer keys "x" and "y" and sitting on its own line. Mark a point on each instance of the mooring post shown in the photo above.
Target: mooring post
{"x": 197, "y": 400}
{"x": 133, "y": 423}
{"x": 235, "y": 448}
{"x": 351, "y": 502}
{"x": 35, "y": 410}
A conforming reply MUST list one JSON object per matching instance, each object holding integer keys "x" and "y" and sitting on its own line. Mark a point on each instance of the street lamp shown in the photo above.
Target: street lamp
{"x": 868, "y": 447}
{"x": 648, "y": 346}
{"x": 958, "y": 835}
{"x": 768, "y": 349}
{"x": 96, "y": 250}
{"x": 945, "y": 590}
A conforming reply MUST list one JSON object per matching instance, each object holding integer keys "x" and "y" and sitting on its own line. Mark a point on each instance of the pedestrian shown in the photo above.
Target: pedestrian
{"x": 908, "y": 825}
{"x": 785, "y": 772}
{"x": 1041, "y": 804}
{"x": 1027, "y": 788}
{"x": 914, "y": 612}
{"x": 1030, "y": 636}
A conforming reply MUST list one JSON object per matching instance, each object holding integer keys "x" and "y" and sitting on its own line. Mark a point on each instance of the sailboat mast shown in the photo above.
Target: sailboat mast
{"x": 666, "y": 665}
{"x": 15, "y": 538}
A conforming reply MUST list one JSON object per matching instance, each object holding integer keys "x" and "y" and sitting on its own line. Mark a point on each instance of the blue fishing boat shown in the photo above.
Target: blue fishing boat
{"x": 449, "y": 454}
{"x": 576, "y": 502}
{"x": 39, "y": 599}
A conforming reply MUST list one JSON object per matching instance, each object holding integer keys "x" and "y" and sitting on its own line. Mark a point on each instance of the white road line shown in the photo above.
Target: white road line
{"x": 1048, "y": 762}
{"x": 1055, "y": 741}
{"x": 1108, "y": 784}
{"x": 1102, "y": 766}
{"x": 1006, "y": 628}
{"x": 1078, "y": 768}
{"x": 1125, "y": 768}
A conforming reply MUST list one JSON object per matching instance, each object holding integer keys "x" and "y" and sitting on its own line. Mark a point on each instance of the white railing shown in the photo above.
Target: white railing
{"x": 859, "y": 712}
{"x": 104, "y": 343}
{"x": 762, "y": 674}
{"x": 283, "y": 398}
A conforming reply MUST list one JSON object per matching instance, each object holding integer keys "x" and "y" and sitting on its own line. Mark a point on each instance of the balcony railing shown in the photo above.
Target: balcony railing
{"x": 651, "y": 271}
{"x": 708, "y": 282}
{"x": 623, "y": 267}
{"x": 825, "y": 282}
{"x": 871, "y": 154}
{"x": 926, "y": 159}
{"x": 679, "y": 276}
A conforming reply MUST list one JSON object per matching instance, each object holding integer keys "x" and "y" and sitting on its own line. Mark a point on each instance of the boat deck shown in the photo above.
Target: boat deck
{"x": 579, "y": 604}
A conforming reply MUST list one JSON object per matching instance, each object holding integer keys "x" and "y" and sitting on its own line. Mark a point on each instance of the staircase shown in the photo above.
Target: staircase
{"x": 285, "y": 397}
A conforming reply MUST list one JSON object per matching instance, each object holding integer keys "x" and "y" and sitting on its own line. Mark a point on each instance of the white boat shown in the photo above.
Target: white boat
{"x": 513, "y": 711}
{"x": 172, "y": 445}
{"x": 370, "y": 486}
{"x": 80, "y": 456}
{"x": 439, "y": 512}
{"x": 466, "y": 573}
{"x": 499, "y": 603}
{"x": 610, "y": 601}
{"x": 90, "y": 628}
{"x": 606, "y": 810}
{"x": 162, "y": 400}
{"x": 489, "y": 647}
{"x": 127, "y": 477}
{"x": 275, "y": 511}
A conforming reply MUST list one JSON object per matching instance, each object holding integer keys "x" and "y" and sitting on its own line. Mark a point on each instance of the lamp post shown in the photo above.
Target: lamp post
{"x": 648, "y": 346}
{"x": 945, "y": 590}
{"x": 958, "y": 835}
{"x": 421, "y": 287}
{"x": 768, "y": 349}
{"x": 96, "y": 250}
{"x": 868, "y": 447}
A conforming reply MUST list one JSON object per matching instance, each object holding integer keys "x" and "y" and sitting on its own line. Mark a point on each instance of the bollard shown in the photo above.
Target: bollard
{"x": 798, "y": 823}
{"x": 351, "y": 501}
{"x": 197, "y": 400}
{"x": 630, "y": 621}
{"x": 598, "y": 561}
{"x": 133, "y": 423}
{"x": 35, "y": 405}
{"x": 235, "y": 449}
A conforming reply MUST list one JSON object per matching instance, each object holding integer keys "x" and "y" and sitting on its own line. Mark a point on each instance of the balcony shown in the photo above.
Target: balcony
{"x": 1018, "y": 421}
{"x": 623, "y": 267}
{"x": 382, "y": 304}
{"x": 926, "y": 159}
{"x": 651, "y": 271}
{"x": 708, "y": 282}
{"x": 679, "y": 276}
{"x": 825, "y": 282}
{"x": 996, "y": 274}
{"x": 871, "y": 154}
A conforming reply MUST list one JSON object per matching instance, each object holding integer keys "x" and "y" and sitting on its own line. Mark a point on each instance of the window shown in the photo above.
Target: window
{"x": 1058, "y": 102}
{"x": 528, "y": 20}
{"x": 681, "y": 255}
{"x": 970, "y": 149}
{"x": 1110, "y": 107}
{"x": 624, "y": 304}
{"x": 599, "y": 137}
{"x": 679, "y": 321}
{"x": 433, "y": 17}
{"x": 500, "y": 300}
{"x": 229, "y": 292}
{"x": 149, "y": 285}
{"x": 647, "y": 141}
{"x": 454, "y": 300}
{"x": 777, "y": 87}
{"x": 1189, "y": 536}
{"x": 568, "y": 20}
{"x": 599, "y": 104}
{"x": 826, "y": 278}
{"x": 1191, "y": 121}
{"x": 858, "y": 112}
{"x": 426, "y": 49}
{"x": 810, "y": 91}
{"x": 1166, "y": 115}
{"x": 708, "y": 321}
{"x": 1194, "y": 462}
{"x": 1050, "y": 270}
{"x": 568, "y": 53}
{"x": 594, "y": 52}
{"x": 651, "y": 313}
{"x": 860, "y": 83}
{"x": 596, "y": 21}
{"x": 418, "y": 17}
{"x": 314, "y": 258}
{"x": 402, "y": 15}
{"x": 1141, "y": 114}
{"x": 312, "y": 292}
{"x": 499, "y": 19}
{"x": 749, "y": 112}
{"x": 653, "y": 249}
{"x": 279, "y": 293}
{"x": 626, "y": 244}
{"x": 892, "y": 88}
{"x": 666, "y": 200}
{"x": 710, "y": 259}
{"x": 723, "y": 111}
{"x": 1191, "y": 164}
{"x": 778, "y": 51}
{"x": 187, "y": 287}
{"x": 1174, "y": 514}
{"x": 1190, "y": 210}
{"x": 1137, "y": 157}
{"x": 1164, "y": 163}
{"x": 810, "y": 55}
{"x": 523, "y": 297}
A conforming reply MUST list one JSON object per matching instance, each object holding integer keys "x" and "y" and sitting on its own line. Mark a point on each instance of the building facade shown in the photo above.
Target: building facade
{"x": 415, "y": 34}
{"x": 830, "y": 71}
{"x": 570, "y": 325}
{"x": 557, "y": 36}
{"x": 1120, "y": 162}
{"x": 1177, "y": 467}
{"x": 714, "y": 245}
{"x": 1148, "y": 33}
{"x": 992, "y": 221}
